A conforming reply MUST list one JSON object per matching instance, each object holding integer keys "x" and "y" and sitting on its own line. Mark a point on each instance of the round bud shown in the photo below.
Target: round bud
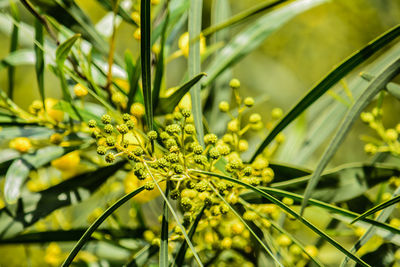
{"x": 186, "y": 204}
{"x": 186, "y": 113}
{"x": 175, "y": 194}
{"x": 92, "y": 123}
{"x": 250, "y": 215}
{"x": 189, "y": 129}
{"x": 249, "y": 102}
{"x": 149, "y": 185}
{"x": 108, "y": 128}
{"x": 110, "y": 157}
{"x": 198, "y": 149}
{"x": 106, "y": 119}
{"x": 56, "y": 138}
{"x": 248, "y": 171}
{"x": 172, "y": 157}
{"x": 223, "y": 106}
{"x": 391, "y": 134}
{"x": 255, "y": 118}
{"x": 276, "y": 113}
{"x": 152, "y": 135}
{"x": 213, "y": 153}
{"x": 110, "y": 140}
{"x": 243, "y": 145}
{"x": 138, "y": 151}
{"x": 123, "y": 128}
{"x": 234, "y": 83}
{"x": 80, "y": 90}
{"x": 178, "y": 169}
{"x": 210, "y": 139}
{"x": 101, "y": 150}
{"x": 130, "y": 124}
{"x": 233, "y": 125}
{"x": 126, "y": 117}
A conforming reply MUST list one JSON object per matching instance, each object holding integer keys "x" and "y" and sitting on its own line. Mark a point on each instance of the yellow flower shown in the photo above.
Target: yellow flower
{"x": 55, "y": 114}
{"x": 284, "y": 240}
{"x": 183, "y": 44}
{"x": 312, "y": 250}
{"x": 136, "y": 17}
{"x": 131, "y": 183}
{"x": 53, "y": 255}
{"x": 80, "y": 90}
{"x": 22, "y": 144}
{"x": 137, "y": 34}
{"x": 67, "y": 162}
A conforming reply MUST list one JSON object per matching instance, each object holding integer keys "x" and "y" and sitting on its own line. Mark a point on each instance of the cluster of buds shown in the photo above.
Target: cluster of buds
{"x": 388, "y": 138}
{"x": 170, "y": 155}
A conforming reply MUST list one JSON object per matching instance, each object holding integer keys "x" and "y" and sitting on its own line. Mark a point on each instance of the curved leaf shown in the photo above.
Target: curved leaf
{"x": 327, "y": 82}
{"x": 377, "y": 84}
{"x": 377, "y": 208}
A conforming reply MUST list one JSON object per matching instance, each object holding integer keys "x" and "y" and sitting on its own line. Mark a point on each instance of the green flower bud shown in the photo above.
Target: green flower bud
{"x": 108, "y": 128}
{"x": 201, "y": 186}
{"x": 110, "y": 157}
{"x": 123, "y": 129}
{"x": 152, "y": 135}
{"x": 138, "y": 151}
{"x": 170, "y": 142}
{"x": 175, "y": 194}
{"x": 106, "y": 119}
{"x": 255, "y": 118}
{"x": 178, "y": 169}
{"x": 174, "y": 149}
{"x": 149, "y": 185}
{"x": 249, "y": 101}
{"x": 213, "y": 153}
{"x": 173, "y": 129}
{"x": 200, "y": 159}
{"x": 210, "y": 139}
{"x": 186, "y": 204}
{"x": 223, "y": 106}
{"x": 163, "y": 163}
{"x": 164, "y": 136}
{"x": 189, "y": 129}
{"x": 197, "y": 149}
{"x": 248, "y": 171}
{"x": 172, "y": 157}
{"x": 92, "y": 123}
{"x": 130, "y": 124}
{"x": 186, "y": 113}
{"x": 126, "y": 117}
{"x": 276, "y": 113}
{"x": 110, "y": 140}
{"x": 234, "y": 83}
{"x": 101, "y": 150}
{"x": 250, "y": 215}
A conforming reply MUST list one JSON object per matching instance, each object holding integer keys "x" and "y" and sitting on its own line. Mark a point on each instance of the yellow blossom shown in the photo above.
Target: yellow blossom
{"x": 22, "y": 144}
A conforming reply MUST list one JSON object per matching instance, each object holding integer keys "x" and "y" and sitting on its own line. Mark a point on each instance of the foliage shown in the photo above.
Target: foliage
{"x": 137, "y": 174}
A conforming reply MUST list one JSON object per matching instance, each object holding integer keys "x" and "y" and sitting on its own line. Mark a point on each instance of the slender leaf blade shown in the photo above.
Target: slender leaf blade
{"x": 377, "y": 208}
{"x": 39, "y": 54}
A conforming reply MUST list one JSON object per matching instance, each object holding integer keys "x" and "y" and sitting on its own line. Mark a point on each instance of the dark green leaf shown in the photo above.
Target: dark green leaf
{"x": 145, "y": 52}
{"x": 133, "y": 72}
{"x": 393, "y": 89}
{"x": 327, "y": 82}
{"x": 377, "y": 84}
{"x": 39, "y": 54}
{"x": 378, "y": 208}
{"x": 64, "y": 49}
{"x": 86, "y": 236}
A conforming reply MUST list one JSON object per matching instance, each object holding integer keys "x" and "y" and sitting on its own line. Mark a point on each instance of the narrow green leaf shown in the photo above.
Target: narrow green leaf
{"x": 288, "y": 210}
{"x": 163, "y": 261}
{"x": 242, "y": 16}
{"x": 64, "y": 49}
{"x": 180, "y": 257}
{"x": 19, "y": 169}
{"x": 39, "y": 54}
{"x": 340, "y": 184}
{"x": 145, "y": 52}
{"x": 194, "y": 65}
{"x": 133, "y": 72}
{"x": 254, "y": 35}
{"x": 377, "y": 84}
{"x": 378, "y": 208}
{"x": 86, "y": 236}
{"x": 160, "y": 63}
{"x": 13, "y": 47}
{"x": 167, "y": 104}
{"x": 327, "y": 82}
{"x": 143, "y": 256}
{"x": 61, "y": 55}
{"x": 254, "y": 198}
{"x": 19, "y": 57}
